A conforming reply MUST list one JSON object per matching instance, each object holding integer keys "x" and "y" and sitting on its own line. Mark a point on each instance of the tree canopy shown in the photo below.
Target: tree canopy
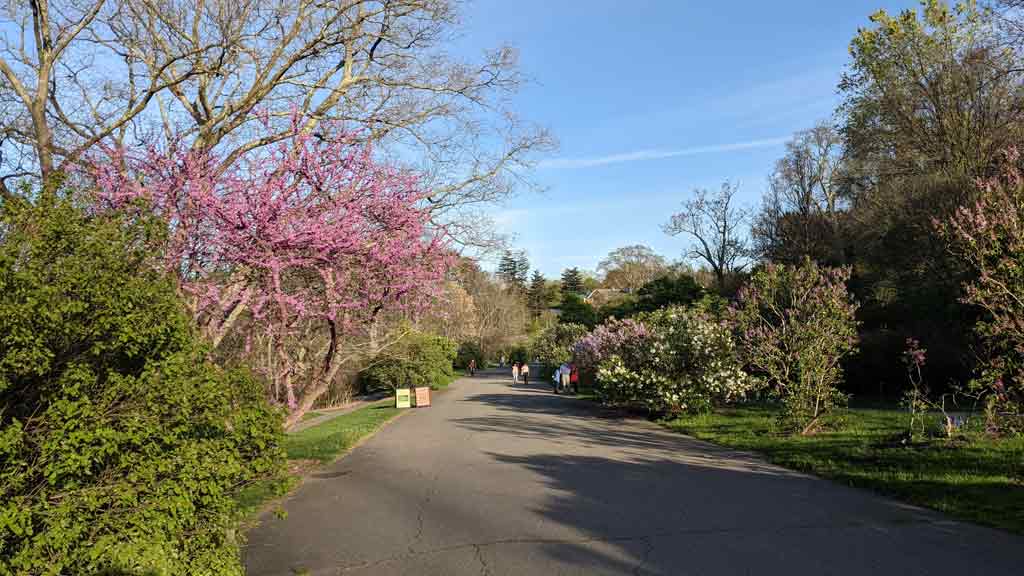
{"x": 572, "y": 282}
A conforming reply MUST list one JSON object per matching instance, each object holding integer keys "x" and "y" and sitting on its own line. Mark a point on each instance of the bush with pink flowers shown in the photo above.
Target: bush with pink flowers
{"x": 988, "y": 237}
{"x": 796, "y": 325}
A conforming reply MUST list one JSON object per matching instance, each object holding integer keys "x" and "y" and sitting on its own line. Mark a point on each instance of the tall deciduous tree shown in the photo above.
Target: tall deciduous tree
{"x": 931, "y": 98}
{"x": 931, "y": 92}
{"x": 231, "y": 75}
{"x": 630, "y": 267}
{"x": 717, "y": 227}
{"x": 501, "y": 316}
{"x": 1010, "y": 17}
{"x": 800, "y": 212}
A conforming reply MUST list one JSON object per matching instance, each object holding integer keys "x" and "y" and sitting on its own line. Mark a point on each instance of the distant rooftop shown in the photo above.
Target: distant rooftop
{"x": 603, "y": 296}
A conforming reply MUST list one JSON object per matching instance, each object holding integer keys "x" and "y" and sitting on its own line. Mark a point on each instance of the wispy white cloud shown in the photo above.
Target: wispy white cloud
{"x": 658, "y": 154}
{"x": 508, "y": 219}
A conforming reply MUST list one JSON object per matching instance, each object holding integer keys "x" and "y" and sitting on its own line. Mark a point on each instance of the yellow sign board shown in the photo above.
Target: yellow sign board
{"x": 403, "y": 398}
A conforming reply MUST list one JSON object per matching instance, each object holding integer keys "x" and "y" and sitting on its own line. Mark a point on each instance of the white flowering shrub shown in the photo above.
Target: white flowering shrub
{"x": 683, "y": 361}
{"x": 619, "y": 384}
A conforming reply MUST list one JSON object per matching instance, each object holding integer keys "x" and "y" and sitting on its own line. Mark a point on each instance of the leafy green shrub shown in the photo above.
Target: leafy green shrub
{"x": 418, "y": 360}
{"x": 575, "y": 310}
{"x": 554, "y": 346}
{"x": 519, "y": 354}
{"x": 672, "y": 289}
{"x": 470, "y": 351}
{"x": 796, "y": 325}
{"x": 623, "y": 307}
{"x": 122, "y": 450}
{"x": 678, "y": 289}
{"x": 712, "y": 304}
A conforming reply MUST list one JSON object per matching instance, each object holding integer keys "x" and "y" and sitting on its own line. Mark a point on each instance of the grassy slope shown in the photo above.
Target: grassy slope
{"x": 981, "y": 480}
{"x": 456, "y": 374}
{"x": 327, "y": 441}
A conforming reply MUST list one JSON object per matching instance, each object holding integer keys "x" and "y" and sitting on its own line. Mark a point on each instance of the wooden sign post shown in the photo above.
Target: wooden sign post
{"x": 422, "y": 396}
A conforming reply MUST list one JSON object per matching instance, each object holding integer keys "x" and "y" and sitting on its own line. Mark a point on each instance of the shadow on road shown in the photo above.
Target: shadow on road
{"x": 505, "y": 479}
{"x": 647, "y": 498}
{"x": 532, "y": 411}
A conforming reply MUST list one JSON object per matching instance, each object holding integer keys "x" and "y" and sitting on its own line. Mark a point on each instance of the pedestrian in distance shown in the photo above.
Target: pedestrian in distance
{"x": 555, "y": 379}
{"x": 472, "y": 366}
{"x": 524, "y": 371}
{"x": 515, "y": 373}
{"x": 565, "y": 372}
{"x": 574, "y": 378}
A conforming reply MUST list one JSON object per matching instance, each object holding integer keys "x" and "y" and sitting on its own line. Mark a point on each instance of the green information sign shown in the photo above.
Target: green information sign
{"x": 403, "y": 399}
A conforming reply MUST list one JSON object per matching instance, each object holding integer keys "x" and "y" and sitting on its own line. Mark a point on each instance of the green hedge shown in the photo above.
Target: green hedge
{"x": 470, "y": 351}
{"x": 122, "y": 450}
{"x": 418, "y": 360}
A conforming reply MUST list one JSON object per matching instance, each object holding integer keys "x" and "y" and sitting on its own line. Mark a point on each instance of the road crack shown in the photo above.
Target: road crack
{"x": 647, "y": 539}
{"x": 648, "y": 550}
{"x": 479, "y": 555}
{"x": 421, "y": 512}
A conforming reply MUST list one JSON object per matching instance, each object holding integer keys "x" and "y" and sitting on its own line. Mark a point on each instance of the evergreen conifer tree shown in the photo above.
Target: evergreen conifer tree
{"x": 572, "y": 281}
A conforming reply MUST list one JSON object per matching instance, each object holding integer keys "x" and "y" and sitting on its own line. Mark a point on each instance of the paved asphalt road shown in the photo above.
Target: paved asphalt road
{"x": 497, "y": 479}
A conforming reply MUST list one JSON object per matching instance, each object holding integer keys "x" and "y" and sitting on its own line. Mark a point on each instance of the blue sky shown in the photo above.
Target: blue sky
{"x": 650, "y": 99}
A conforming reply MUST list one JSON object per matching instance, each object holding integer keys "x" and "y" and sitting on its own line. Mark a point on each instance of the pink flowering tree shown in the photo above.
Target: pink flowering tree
{"x": 305, "y": 244}
{"x": 988, "y": 236}
{"x": 915, "y": 398}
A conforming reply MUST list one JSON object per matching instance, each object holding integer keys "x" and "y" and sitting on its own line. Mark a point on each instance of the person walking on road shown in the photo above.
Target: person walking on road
{"x": 472, "y": 366}
{"x": 524, "y": 371}
{"x": 555, "y": 379}
{"x": 574, "y": 378}
{"x": 515, "y": 373}
{"x": 565, "y": 372}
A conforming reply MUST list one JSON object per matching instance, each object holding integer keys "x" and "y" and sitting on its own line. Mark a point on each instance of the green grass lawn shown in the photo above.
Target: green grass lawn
{"x": 456, "y": 374}
{"x": 326, "y": 442}
{"x": 252, "y": 498}
{"x": 310, "y": 415}
{"x": 974, "y": 478}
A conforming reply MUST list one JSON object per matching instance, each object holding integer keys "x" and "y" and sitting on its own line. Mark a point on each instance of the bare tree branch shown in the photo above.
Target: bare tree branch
{"x": 717, "y": 227}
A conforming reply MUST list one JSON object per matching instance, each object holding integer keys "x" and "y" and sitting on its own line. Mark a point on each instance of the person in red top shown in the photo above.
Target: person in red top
{"x": 574, "y": 378}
